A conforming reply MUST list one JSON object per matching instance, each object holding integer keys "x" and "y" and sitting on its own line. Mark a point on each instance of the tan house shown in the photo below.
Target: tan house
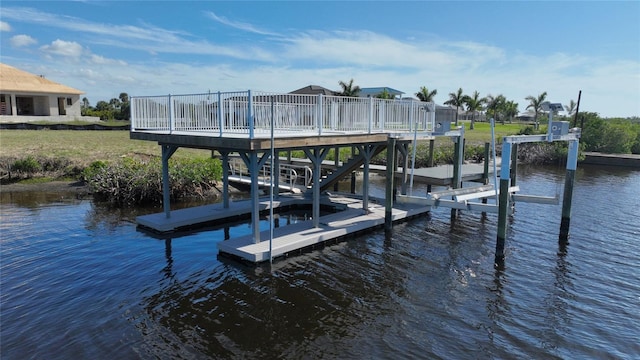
{"x": 26, "y": 97}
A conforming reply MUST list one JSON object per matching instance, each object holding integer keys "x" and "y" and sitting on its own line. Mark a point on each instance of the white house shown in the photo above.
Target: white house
{"x": 26, "y": 97}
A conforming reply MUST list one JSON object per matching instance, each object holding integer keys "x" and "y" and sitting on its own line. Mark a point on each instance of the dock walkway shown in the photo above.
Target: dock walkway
{"x": 349, "y": 219}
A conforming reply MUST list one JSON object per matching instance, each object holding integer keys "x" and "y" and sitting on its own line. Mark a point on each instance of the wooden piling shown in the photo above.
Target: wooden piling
{"x": 572, "y": 162}
{"x": 503, "y": 202}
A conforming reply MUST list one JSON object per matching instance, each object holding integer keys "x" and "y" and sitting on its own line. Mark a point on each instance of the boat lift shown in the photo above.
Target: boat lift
{"x": 506, "y": 192}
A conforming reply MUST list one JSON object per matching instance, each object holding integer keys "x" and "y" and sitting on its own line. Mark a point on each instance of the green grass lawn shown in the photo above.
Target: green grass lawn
{"x": 84, "y": 147}
{"x": 482, "y": 131}
{"x": 81, "y": 147}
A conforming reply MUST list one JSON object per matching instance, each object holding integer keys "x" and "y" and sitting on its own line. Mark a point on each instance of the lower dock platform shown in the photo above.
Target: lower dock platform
{"x": 349, "y": 219}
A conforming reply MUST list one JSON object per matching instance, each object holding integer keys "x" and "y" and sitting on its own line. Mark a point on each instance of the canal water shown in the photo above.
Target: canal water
{"x": 79, "y": 281}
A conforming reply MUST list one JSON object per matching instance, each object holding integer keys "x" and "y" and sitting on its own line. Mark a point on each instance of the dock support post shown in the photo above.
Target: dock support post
{"x": 336, "y": 163}
{"x": 404, "y": 150}
{"x": 367, "y": 151}
{"x": 572, "y": 163}
{"x": 353, "y": 173}
{"x": 432, "y": 143}
{"x": 458, "y": 158}
{"x": 255, "y": 198}
{"x": 503, "y": 202}
{"x": 365, "y": 180}
{"x": 167, "y": 151}
{"x": 225, "y": 179}
{"x": 391, "y": 167}
{"x": 254, "y": 164}
{"x": 316, "y": 155}
{"x": 353, "y": 182}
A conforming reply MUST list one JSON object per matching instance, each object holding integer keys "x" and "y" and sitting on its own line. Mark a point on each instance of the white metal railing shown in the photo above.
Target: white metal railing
{"x": 290, "y": 174}
{"x": 250, "y": 114}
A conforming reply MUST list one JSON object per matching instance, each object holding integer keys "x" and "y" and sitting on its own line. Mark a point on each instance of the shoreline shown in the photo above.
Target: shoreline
{"x": 48, "y": 186}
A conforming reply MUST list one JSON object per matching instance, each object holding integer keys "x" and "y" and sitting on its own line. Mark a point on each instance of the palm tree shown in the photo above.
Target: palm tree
{"x": 348, "y": 89}
{"x": 85, "y": 106}
{"x": 384, "y": 95}
{"x": 495, "y": 106}
{"x": 474, "y": 104}
{"x": 511, "y": 109}
{"x": 571, "y": 107}
{"x": 456, "y": 99}
{"x": 425, "y": 95}
{"x": 536, "y": 104}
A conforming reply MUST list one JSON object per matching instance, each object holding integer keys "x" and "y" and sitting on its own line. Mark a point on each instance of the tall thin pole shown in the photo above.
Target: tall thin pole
{"x": 413, "y": 155}
{"x": 575, "y": 118}
{"x": 271, "y": 192}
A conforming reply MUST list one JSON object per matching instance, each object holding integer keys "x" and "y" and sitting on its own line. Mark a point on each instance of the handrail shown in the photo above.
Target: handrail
{"x": 238, "y": 168}
{"x": 248, "y": 113}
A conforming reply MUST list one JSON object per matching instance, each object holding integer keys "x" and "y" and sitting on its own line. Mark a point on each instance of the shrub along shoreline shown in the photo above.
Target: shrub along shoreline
{"x": 137, "y": 180}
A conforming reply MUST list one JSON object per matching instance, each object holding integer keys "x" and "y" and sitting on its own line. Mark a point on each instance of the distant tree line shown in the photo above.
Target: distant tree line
{"x": 608, "y": 135}
{"x": 115, "y": 109}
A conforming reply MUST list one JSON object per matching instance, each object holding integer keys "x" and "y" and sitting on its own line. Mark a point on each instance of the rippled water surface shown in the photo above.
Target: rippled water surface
{"x": 79, "y": 281}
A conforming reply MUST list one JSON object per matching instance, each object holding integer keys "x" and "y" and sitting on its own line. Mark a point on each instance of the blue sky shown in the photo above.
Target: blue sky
{"x": 513, "y": 48}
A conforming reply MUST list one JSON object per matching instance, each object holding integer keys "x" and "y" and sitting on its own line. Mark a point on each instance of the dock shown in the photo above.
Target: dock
{"x": 254, "y": 128}
{"x": 627, "y": 160}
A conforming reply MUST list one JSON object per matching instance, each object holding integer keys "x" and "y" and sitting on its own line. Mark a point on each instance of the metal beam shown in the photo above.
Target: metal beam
{"x": 316, "y": 155}
{"x": 167, "y": 152}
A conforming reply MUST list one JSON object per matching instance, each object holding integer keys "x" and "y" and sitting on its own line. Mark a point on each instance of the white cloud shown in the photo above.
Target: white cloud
{"x": 4, "y": 26}
{"x": 236, "y": 24}
{"x": 101, "y": 60}
{"x": 610, "y": 87}
{"x": 22, "y": 41}
{"x": 69, "y": 49}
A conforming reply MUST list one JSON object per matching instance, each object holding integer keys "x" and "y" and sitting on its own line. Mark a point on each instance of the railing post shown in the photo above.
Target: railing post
{"x": 382, "y": 114}
{"x": 220, "y": 121}
{"x": 412, "y": 118}
{"x": 171, "y": 117}
{"x": 370, "y": 114}
{"x": 250, "y": 114}
{"x": 320, "y": 114}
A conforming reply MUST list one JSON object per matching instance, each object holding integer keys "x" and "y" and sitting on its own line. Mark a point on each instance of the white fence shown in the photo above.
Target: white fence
{"x": 251, "y": 114}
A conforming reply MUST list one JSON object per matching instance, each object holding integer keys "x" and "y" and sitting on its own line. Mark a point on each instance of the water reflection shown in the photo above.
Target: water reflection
{"x": 425, "y": 290}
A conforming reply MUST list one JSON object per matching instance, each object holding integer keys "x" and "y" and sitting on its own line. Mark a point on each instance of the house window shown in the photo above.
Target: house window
{"x": 5, "y": 104}
{"x": 69, "y": 102}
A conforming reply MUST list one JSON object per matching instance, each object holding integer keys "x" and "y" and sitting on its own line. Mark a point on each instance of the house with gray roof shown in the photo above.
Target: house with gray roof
{"x": 313, "y": 90}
